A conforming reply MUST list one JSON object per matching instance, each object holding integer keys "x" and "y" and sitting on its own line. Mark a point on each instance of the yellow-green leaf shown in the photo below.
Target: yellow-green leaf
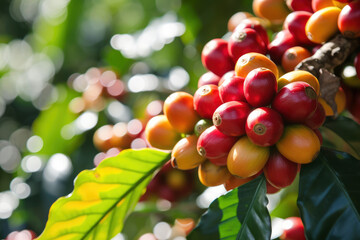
{"x": 103, "y": 197}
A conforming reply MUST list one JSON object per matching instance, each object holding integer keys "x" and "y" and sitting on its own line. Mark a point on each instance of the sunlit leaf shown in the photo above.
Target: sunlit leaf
{"x": 103, "y": 197}
{"x": 240, "y": 214}
{"x": 329, "y": 196}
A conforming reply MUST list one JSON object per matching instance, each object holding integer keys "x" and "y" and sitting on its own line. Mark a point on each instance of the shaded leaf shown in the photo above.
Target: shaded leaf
{"x": 343, "y": 135}
{"x": 240, "y": 214}
{"x": 329, "y": 196}
{"x": 103, "y": 197}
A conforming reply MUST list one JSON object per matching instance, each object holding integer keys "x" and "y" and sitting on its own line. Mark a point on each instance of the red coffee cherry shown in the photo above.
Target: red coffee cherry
{"x": 215, "y": 57}
{"x": 260, "y": 87}
{"x": 230, "y": 118}
{"x": 232, "y": 89}
{"x": 317, "y": 119}
{"x": 349, "y": 18}
{"x": 214, "y": 144}
{"x": 244, "y": 41}
{"x": 208, "y": 78}
{"x": 256, "y": 25}
{"x": 293, "y": 229}
{"x": 300, "y": 5}
{"x": 282, "y": 42}
{"x": 279, "y": 171}
{"x": 296, "y": 102}
{"x": 206, "y": 100}
{"x": 295, "y": 23}
{"x": 264, "y": 126}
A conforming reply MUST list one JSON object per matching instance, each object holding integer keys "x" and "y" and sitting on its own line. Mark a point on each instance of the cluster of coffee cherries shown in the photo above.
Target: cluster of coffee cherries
{"x": 251, "y": 122}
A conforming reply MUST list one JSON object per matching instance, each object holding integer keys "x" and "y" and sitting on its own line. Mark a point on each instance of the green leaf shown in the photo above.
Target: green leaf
{"x": 103, "y": 197}
{"x": 342, "y": 133}
{"x": 49, "y": 124}
{"x": 329, "y": 196}
{"x": 240, "y": 214}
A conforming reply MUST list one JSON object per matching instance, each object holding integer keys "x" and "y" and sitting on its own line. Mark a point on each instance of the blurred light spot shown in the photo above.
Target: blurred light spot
{"x": 159, "y": 32}
{"x": 20, "y": 54}
{"x": 86, "y": 121}
{"x": 9, "y": 158}
{"x": 118, "y": 112}
{"x": 138, "y": 143}
{"x": 148, "y": 236}
{"x": 80, "y": 83}
{"x": 34, "y": 144}
{"x": 154, "y": 108}
{"x": 19, "y": 138}
{"x": 8, "y": 203}
{"x": 56, "y": 55}
{"x": 4, "y": 55}
{"x": 209, "y": 195}
{"x": 116, "y": 88}
{"x": 20, "y": 188}
{"x": 276, "y": 227}
{"x": 140, "y": 68}
{"x": 143, "y": 82}
{"x": 178, "y": 78}
{"x": 190, "y": 51}
{"x": 179, "y": 238}
{"x": 31, "y": 163}
{"x": 7, "y": 86}
{"x": 68, "y": 131}
{"x": 162, "y": 230}
{"x": 47, "y": 96}
{"x": 107, "y": 78}
{"x": 54, "y": 11}
{"x": 98, "y": 158}
{"x": 135, "y": 126}
{"x": 120, "y": 129}
{"x": 77, "y": 105}
{"x": 119, "y": 237}
{"x": 349, "y": 71}
{"x": 58, "y": 167}
{"x": 163, "y": 204}
{"x": 2, "y": 106}
{"x": 92, "y": 75}
{"x": 112, "y": 152}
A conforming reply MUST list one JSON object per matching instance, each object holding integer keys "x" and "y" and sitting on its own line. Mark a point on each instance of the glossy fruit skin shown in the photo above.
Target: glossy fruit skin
{"x": 299, "y": 5}
{"x": 257, "y": 26}
{"x": 249, "y": 61}
{"x": 201, "y": 126}
{"x": 299, "y": 96}
{"x": 160, "y": 134}
{"x": 232, "y": 89}
{"x": 211, "y": 175}
{"x": 230, "y": 117}
{"x": 273, "y": 10}
{"x": 184, "y": 155}
{"x": 235, "y": 181}
{"x": 112, "y": 136}
{"x": 295, "y": 23}
{"x": 270, "y": 189}
{"x": 322, "y": 25}
{"x": 349, "y": 19}
{"x": 215, "y": 57}
{"x": 264, "y": 126}
{"x": 293, "y": 56}
{"x": 208, "y": 78}
{"x": 180, "y": 112}
{"x": 260, "y": 87}
{"x": 299, "y": 75}
{"x": 293, "y": 229}
{"x": 214, "y": 144}
{"x": 319, "y": 135}
{"x": 246, "y": 159}
{"x": 317, "y": 119}
{"x": 226, "y": 76}
{"x": 236, "y": 19}
{"x": 244, "y": 41}
{"x": 206, "y": 100}
{"x": 283, "y": 40}
{"x": 279, "y": 171}
{"x": 298, "y": 144}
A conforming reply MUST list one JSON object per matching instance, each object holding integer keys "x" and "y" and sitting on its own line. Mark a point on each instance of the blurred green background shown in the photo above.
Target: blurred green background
{"x": 153, "y": 46}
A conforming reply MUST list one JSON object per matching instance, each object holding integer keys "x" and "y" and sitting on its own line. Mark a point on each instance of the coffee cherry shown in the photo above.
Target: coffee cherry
{"x": 260, "y": 87}
{"x": 299, "y": 5}
{"x": 279, "y": 171}
{"x": 230, "y": 118}
{"x": 211, "y": 175}
{"x": 264, "y": 126}
{"x": 244, "y": 41}
{"x": 202, "y": 125}
{"x": 236, "y": 19}
{"x": 208, "y": 78}
{"x": 298, "y": 144}
{"x": 215, "y": 57}
{"x": 179, "y": 110}
{"x": 232, "y": 89}
{"x": 316, "y": 5}
{"x": 273, "y": 10}
{"x": 283, "y": 41}
{"x": 250, "y": 61}
{"x": 295, "y": 23}
{"x": 349, "y": 19}
{"x": 293, "y": 229}
{"x": 270, "y": 189}
{"x": 257, "y": 26}
{"x": 206, "y": 100}
{"x": 214, "y": 144}
{"x": 184, "y": 155}
{"x": 299, "y": 75}
{"x": 317, "y": 119}
{"x": 246, "y": 159}
{"x": 293, "y": 56}
{"x": 235, "y": 181}
{"x": 295, "y": 102}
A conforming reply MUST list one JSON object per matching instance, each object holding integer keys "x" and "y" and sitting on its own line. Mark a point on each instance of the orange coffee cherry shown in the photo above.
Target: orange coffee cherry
{"x": 249, "y": 61}
{"x": 293, "y": 56}
{"x": 299, "y": 75}
{"x": 212, "y": 175}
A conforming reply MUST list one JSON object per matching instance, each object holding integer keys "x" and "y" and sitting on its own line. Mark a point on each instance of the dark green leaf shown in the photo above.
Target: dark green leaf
{"x": 343, "y": 134}
{"x": 329, "y": 196}
{"x": 240, "y": 214}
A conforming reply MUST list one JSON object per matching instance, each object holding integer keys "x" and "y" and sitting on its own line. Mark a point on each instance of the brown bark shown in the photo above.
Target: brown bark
{"x": 332, "y": 54}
